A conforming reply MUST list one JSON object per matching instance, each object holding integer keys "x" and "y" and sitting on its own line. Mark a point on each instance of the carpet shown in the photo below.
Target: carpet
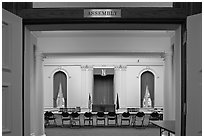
{"x": 102, "y": 131}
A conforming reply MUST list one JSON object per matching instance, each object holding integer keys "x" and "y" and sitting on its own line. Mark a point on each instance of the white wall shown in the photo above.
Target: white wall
{"x": 129, "y": 97}
{"x": 134, "y": 84}
{"x": 102, "y": 41}
{"x": 57, "y": 46}
{"x": 74, "y": 85}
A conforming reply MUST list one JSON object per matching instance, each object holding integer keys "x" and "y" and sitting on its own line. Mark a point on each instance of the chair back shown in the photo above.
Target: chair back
{"x": 75, "y": 114}
{"x": 125, "y": 114}
{"x": 65, "y": 114}
{"x": 100, "y": 114}
{"x": 49, "y": 114}
{"x": 46, "y": 113}
{"x": 140, "y": 114}
{"x": 154, "y": 114}
{"x": 88, "y": 114}
{"x": 111, "y": 114}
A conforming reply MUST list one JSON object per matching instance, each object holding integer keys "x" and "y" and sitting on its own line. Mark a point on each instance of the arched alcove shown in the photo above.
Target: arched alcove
{"x": 59, "y": 78}
{"x": 147, "y": 86}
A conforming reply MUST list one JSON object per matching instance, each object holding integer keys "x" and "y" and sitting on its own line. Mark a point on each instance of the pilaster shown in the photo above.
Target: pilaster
{"x": 169, "y": 96}
{"x": 39, "y": 111}
{"x": 87, "y": 84}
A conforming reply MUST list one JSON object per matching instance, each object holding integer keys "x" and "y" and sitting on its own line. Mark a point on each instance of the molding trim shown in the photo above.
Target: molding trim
{"x": 148, "y": 68}
{"x": 59, "y": 68}
{"x": 86, "y": 67}
{"x": 120, "y": 67}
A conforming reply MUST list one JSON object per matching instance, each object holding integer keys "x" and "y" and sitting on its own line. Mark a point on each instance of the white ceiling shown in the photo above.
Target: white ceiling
{"x": 104, "y": 33}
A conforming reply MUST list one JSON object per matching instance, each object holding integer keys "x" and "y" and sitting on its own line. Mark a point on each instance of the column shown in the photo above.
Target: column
{"x": 90, "y": 82}
{"x": 169, "y": 93}
{"x": 123, "y": 85}
{"x": 87, "y": 84}
{"x": 83, "y": 86}
{"x": 39, "y": 111}
{"x": 33, "y": 124}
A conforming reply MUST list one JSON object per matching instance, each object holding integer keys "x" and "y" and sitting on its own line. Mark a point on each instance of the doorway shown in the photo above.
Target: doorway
{"x": 103, "y": 90}
{"x": 125, "y": 27}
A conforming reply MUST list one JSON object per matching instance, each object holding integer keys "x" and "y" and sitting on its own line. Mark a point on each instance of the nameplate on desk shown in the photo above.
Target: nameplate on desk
{"x": 102, "y": 13}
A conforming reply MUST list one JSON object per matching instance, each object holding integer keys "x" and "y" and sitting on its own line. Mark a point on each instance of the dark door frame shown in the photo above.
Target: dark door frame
{"x": 132, "y": 19}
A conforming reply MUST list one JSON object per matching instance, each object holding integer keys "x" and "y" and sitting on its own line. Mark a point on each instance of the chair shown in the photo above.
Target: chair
{"x": 100, "y": 117}
{"x": 65, "y": 117}
{"x": 154, "y": 116}
{"x": 139, "y": 118}
{"x": 88, "y": 116}
{"x": 75, "y": 117}
{"x": 125, "y": 117}
{"x": 112, "y": 116}
{"x": 49, "y": 116}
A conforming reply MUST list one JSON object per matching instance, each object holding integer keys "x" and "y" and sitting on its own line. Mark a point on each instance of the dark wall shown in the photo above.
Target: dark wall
{"x": 189, "y": 7}
{"x": 16, "y": 7}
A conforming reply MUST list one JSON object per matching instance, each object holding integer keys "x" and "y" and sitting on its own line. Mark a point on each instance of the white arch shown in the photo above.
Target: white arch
{"x": 51, "y": 76}
{"x": 59, "y": 69}
{"x": 147, "y": 69}
{"x": 139, "y": 77}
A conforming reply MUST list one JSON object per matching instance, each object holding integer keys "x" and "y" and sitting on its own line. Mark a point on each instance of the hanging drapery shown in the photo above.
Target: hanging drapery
{"x": 147, "y": 102}
{"x": 60, "y": 98}
{"x": 60, "y": 78}
{"x": 147, "y": 79}
{"x": 103, "y": 90}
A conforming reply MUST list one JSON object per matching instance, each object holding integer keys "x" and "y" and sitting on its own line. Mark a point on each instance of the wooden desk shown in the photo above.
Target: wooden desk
{"x": 167, "y": 125}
